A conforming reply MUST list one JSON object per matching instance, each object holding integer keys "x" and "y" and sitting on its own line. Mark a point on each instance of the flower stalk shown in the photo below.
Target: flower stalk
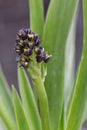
{"x": 43, "y": 101}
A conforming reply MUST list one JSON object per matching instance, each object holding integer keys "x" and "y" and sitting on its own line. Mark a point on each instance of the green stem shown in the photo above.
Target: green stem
{"x": 43, "y": 101}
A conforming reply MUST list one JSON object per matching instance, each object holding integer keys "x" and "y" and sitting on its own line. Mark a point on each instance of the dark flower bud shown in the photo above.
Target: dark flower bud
{"x": 23, "y": 61}
{"x": 37, "y": 39}
{"x": 39, "y": 50}
{"x": 19, "y": 44}
{"x": 18, "y": 51}
{"x": 22, "y": 34}
{"x": 25, "y": 44}
{"x": 39, "y": 58}
{"x": 30, "y": 37}
{"x": 47, "y": 58}
{"x": 37, "y": 43}
{"x": 28, "y": 43}
{"x": 27, "y": 52}
{"x": 23, "y": 64}
{"x": 31, "y": 45}
{"x": 24, "y": 58}
{"x": 36, "y": 36}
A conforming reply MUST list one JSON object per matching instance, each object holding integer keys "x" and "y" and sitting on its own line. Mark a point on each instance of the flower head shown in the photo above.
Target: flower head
{"x": 27, "y": 44}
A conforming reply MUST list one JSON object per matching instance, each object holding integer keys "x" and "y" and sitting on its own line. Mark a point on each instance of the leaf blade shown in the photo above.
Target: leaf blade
{"x": 70, "y": 62}
{"x": 54, "y": 41}
{"x": 2, "y": 125}
{"x": 5, "y": 94}
{"x": 79, "y": 97}
{"x": 85, "y": 115}
{"x": 36, "y": 16}
{"x": 6, "y": 117}
{"x": 19, "y": 112}
{"x": 28, "y": 100}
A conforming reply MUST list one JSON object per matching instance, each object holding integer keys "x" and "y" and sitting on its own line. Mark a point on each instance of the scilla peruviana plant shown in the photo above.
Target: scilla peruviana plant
{"x": 55, "y": 101}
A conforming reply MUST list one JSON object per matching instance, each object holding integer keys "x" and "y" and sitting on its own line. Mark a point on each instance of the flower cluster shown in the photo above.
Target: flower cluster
{"x": 27, "y": 43}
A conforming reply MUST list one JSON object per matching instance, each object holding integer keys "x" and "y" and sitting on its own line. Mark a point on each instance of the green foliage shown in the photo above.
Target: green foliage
{"x": 5, "y": 94}
{"x": 79, "y": 97}
{"x": 36, "y": 16}
{"x": 51, "y": 104}
{"x": 29, "y": 103}
{"x": 6, "y": 117}
{"x": 19, "y": 112}
{"x": 54, "y": 39}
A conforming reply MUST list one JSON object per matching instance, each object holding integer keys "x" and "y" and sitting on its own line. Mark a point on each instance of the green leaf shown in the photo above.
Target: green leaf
{"x": 19, "y": 112}
{"x": 28, "y": 99}
{"x": 63, "y": 120}
{"x": 85, "y": 115}
{"x": 5, "y": 94}
{"x": 6, "y": 117}
{"x": 69, "y": 70}
{"x": 79, "y": 97}
{"x": 70, "y": 62}
{"x": 2, "y": 125}
{"x": 57, "y": 26}
{"x": 36, "y": 16}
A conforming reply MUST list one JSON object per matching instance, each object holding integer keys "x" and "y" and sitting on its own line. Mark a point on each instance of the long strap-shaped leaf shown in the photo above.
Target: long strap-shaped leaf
{"x": 6, "y": 117}
{"x": 19, "y": 112}
{"x": 57, "y": 26}
{"x": 2, "y": 125}
{"x": 85, "y": 16}
{"x": 85, "y": 115}
{"x": 5, "y": 94}
{"x": 29, "y": 103}
{"x": 63, "y": 120}
{"x": 79, "y": 98}
{"x": 70, "y": 62}
{"x": 36, "y": 16}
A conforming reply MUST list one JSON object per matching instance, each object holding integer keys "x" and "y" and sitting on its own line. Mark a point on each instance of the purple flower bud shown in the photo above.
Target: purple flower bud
{"x": 39, "y": 59}
{"x": 28, "y": 52}
{"x": 39, "y": 50}
{"x": 18, "y": 51}
{"x": 31, "y": 45}
{"x": 36, "y": 36}
{"x": 24, "y": 64}
{"x": 27, "y": 43}
{"x": 37, "y": 42}
{"x": 30, "y": 37}
{"x": 22, "y": 34}
{"x": 47, "y": 58}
